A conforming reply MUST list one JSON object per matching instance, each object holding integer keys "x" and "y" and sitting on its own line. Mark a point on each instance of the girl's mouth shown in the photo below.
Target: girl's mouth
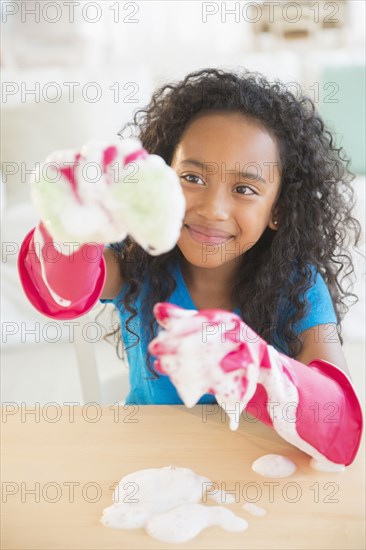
{"x": 201, "y": 238}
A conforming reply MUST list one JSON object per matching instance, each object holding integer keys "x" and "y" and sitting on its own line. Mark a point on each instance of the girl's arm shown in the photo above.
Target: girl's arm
{"x": 113, "y": 282}
{"x": 322, "y": 342}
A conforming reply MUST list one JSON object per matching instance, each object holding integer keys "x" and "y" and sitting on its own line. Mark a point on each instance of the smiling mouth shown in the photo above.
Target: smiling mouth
{"x": 201, "y": 238}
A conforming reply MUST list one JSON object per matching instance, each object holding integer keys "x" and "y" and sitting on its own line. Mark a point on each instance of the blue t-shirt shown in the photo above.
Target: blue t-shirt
{"x": 147, "y": 390}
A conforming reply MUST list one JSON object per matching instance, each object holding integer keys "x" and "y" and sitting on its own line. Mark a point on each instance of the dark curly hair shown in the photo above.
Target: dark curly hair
{"x": 314, "y": 205}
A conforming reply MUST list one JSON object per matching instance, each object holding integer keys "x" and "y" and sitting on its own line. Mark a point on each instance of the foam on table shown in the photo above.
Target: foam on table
{"x": 166, "y": 502}
{"x": 274, "y": 466}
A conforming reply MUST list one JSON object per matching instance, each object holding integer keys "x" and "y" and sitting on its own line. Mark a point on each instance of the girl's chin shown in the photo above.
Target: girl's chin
{"x": 204, "y": 258}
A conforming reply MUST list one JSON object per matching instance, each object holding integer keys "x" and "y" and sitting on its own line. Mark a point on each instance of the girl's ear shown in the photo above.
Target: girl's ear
{"x": 273, "y": 222}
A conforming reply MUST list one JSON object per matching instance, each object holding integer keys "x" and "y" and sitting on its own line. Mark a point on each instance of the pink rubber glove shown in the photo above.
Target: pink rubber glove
{"x": 60, "y": 286}
{"x": 313, "y": 407}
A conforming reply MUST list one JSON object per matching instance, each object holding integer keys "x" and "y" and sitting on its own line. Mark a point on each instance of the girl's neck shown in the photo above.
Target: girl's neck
{"x": 215, "y": 281}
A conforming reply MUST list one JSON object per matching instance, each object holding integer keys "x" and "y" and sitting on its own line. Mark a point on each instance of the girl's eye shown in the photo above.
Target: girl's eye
{"x": 251, "y": 192}
{"x": 190, "y": 178}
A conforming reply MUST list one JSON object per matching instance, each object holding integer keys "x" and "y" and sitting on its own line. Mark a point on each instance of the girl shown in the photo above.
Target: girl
{"x": 267, "y": 225}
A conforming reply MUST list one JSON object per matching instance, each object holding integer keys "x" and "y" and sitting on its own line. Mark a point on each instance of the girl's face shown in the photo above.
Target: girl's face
{"x": 230, "y": 175}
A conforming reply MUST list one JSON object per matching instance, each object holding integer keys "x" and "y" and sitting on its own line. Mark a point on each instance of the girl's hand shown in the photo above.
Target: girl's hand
{"x": 109, "y": 190}
{"x": 207, "y": 351}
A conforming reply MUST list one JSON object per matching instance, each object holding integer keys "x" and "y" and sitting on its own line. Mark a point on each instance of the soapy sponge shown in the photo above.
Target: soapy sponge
{"x": 108, "y": 191}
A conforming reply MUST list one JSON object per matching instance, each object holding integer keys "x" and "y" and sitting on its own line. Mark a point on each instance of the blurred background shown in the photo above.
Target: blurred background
{"x": 75, "y": 71}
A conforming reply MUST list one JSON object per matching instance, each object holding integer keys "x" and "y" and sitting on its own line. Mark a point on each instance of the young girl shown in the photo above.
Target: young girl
{"x": 266, "y": 229}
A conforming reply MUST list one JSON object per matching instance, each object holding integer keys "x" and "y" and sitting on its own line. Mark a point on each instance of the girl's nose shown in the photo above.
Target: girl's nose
{"x": 214, "y": 204}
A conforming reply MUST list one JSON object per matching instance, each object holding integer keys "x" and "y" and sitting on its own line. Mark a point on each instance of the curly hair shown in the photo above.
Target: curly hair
{"x": 314, "y": 206}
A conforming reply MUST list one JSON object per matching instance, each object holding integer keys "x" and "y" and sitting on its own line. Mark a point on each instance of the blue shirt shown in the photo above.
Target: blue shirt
{"x": 147, "y": 390}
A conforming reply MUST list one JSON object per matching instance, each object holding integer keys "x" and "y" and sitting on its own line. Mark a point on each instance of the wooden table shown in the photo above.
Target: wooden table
{"x": 73, "y": 463}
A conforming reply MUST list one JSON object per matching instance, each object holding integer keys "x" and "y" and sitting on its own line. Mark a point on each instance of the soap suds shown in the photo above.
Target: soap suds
{"x": 254, "y": 509}
{"x": 166, "y": 502}
{"x": 274, "y": 466}
{"x": 221, "y": 496}
{"x": 183, "y": 523}
{"x": 326, "y": 466}
{"x": 89, "y": 204}
{"x": 141, "y": 494}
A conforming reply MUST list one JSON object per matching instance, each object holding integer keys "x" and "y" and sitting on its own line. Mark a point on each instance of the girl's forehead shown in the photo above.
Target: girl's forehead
{"x": 230, "y": 138}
